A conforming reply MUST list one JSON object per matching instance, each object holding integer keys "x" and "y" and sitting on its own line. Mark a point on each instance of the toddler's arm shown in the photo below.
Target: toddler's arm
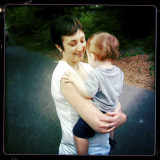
{"x": 71, "y": 77}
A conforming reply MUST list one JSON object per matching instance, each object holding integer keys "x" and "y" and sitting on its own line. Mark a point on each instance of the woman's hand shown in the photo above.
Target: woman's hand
{"x": 113, "y": 120}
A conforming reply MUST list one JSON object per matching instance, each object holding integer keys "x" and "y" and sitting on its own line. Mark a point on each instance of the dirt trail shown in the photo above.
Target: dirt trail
{"x": 136, "y": 70}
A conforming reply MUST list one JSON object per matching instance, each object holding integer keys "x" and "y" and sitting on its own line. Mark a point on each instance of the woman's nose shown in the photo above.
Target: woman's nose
{"x": 79, "y": 47}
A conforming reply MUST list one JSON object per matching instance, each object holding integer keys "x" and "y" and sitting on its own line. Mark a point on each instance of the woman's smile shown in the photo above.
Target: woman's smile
{"x": 79, "y": 54}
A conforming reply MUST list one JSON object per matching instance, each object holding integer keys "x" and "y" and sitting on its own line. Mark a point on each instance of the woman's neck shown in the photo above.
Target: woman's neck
{"x": 74, "y": 65}
{"x": 78, "y": 68}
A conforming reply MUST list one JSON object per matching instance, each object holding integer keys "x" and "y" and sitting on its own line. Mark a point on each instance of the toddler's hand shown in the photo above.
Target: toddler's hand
{"x": 70, "y": 77}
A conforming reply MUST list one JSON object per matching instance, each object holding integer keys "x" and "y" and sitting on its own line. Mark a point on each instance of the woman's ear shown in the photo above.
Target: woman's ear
{"x": 58, "y": 47}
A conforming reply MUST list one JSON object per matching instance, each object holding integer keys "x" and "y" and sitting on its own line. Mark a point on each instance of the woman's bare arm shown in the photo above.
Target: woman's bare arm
{"x": 94, "y": 117}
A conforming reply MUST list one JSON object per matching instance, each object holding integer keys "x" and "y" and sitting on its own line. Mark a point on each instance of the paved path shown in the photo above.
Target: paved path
{"x": 31, "y": 123}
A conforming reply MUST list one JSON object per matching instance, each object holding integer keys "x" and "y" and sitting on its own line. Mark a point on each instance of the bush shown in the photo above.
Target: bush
{"x": 28, "y": 30}
{"x": 132, "y": 52}
{"x": 99, "y": 20}
{"x": 29, "y": 26}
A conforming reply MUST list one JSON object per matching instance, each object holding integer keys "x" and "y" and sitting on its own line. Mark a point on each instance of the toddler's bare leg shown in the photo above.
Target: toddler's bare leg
{"x": 82, "y": 145}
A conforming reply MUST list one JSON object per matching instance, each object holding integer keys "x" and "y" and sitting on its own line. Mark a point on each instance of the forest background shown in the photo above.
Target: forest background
{"x": 134, "y": 26}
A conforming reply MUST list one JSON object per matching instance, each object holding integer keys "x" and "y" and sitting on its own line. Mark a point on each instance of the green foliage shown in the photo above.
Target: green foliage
{"x": 132, "y": 52}
{"x": 29, "y": 26}
{"x": 27, "y": 29}
{"x": 152, "y": 67}
{"x": 149, "y": 44}
{"x": 99, "y": 20}
{"x": 151, "y": 57}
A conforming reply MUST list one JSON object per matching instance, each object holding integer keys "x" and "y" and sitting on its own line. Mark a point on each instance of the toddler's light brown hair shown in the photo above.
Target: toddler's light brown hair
{"x": 104, "y": 46}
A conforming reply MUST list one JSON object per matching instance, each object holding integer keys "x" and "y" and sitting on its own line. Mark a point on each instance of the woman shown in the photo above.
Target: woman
{"x": 68, "y": 36}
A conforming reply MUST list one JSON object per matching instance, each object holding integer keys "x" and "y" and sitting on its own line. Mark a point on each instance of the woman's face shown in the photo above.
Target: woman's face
{"x": 74, "y": 47}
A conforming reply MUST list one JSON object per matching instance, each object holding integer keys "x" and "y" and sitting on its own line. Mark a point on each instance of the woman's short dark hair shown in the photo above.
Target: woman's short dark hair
{"x": 64, "y": 26}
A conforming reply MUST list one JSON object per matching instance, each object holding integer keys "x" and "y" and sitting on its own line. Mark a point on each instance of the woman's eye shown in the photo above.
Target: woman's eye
{"x": 72, "y": 45}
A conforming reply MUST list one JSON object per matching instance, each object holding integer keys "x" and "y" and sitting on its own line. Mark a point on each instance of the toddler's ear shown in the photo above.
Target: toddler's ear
{"x": 93, "y": 56}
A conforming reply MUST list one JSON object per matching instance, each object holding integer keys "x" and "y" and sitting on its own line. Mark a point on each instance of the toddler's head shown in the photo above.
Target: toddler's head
{"x": 104, "y": 46}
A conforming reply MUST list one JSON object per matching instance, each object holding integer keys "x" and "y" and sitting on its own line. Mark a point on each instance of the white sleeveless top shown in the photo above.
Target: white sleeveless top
{"x": 67, "y": 114}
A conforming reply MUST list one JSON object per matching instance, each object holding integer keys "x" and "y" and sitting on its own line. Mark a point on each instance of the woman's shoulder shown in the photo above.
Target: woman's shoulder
{"x": 60, "y": 69}
{"x": 62, "y": 66}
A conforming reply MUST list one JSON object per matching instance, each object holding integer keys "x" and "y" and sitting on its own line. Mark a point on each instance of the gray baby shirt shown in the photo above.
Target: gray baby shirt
{"x": 105, "y": 86}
